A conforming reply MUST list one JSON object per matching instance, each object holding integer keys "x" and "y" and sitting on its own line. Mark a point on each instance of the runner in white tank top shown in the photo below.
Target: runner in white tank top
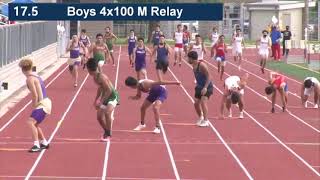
{"x": 233, "y": 94}
{"x": 178, "y": 48}
{"x": 198, "y": 47}
{"x": 265, "y": 43}
{"x": 214, "y": 37}
{"x": 237, "y": 42}
{"x": 310, "y": 84}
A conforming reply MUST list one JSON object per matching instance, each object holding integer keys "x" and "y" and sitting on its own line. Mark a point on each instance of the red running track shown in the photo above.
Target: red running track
{"x": 260, "y": 146}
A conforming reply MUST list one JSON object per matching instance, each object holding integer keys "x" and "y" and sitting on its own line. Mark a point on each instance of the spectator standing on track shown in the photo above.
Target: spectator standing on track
{"x": 106, "y": 100}
{"x": 109, "y": 39}
{"x": 162, "y": 63}
{"x": 277, "y": 82}
{"x": 286, "y": 36}
{"x": 265, "y": 43}
{"x": 219, "y": 51}
{"x": 203, "y": 89}
{"x": 310, "y": 84}
{"x": 157, "y": 95}
{"x": 139, "y": 56}
{"x": 233, "y": 94}
{"x": 275, "y": 38}
{"x": 41, "y": 105}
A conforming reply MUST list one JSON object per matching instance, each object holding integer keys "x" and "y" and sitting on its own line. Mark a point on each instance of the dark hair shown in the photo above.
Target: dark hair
{"x": 131, "y": 81}
{"x": 235, "y": 97}
{"x": 269, "y": 90}
{"x": 238, "y": 29}
{"x": 221, "y": 36}
{"x": 99, "y": 34}
{"x": 185, "y": 26}
{"x": 140, "y": 39}
{"x": 307, "y": 83}
{"x": 198, "y": 35}
{"x": 265, "y": 31}
{"x": 131, "y": 30}
{"x": 193, "y": 55}
{"x": 161, "y": 35}
{"x": 83, "y": 30}
{"x": 179, "y": 25}
{"x": 158, "y": 25}
{"x": 92, "y": 64}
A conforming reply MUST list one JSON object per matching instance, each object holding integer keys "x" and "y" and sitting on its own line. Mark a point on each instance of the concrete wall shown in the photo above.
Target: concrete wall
{"x": 259, "y": 21}
{"x": 295, "y": 22}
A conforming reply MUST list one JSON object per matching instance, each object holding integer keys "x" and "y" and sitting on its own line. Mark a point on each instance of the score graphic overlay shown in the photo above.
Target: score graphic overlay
{"x": 86, "y": 12}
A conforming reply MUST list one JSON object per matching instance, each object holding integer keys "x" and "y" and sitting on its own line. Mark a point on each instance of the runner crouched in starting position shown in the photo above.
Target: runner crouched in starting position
{"x": 233, "y": 94}
{"x": 278, "y": 83}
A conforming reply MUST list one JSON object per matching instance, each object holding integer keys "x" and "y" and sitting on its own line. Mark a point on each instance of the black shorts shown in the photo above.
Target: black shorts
{"x": 198, "y": 95}
{"x": 162, "y": 65}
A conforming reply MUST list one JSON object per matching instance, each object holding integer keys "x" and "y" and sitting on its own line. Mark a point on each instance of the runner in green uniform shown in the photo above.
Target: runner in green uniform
{"x": 109, "y": 37}
{"x": 106, "y": 100}
{"x": 100, "y": 51}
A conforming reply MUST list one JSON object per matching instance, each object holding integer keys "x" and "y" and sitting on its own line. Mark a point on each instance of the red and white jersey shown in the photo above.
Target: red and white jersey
{"x": 178, "y": 36}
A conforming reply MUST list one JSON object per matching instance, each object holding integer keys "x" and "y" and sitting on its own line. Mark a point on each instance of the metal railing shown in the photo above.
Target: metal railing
{"x": 19, "y": 40}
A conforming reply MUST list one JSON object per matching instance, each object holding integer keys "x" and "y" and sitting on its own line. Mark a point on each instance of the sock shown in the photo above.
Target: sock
{"x": 36, "y": 143}
{"x": 142, "y": 122}
{"x": 44, "y": 142}
{"x": 107, "y": 132}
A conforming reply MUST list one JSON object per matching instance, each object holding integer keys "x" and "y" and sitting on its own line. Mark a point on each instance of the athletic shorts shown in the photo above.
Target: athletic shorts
{"x": 157, "y": 93}
{"x": 38, "y": 115}
{"x": 198, "y": 90}
{"x": 139, "y": 66}
{"x": 264, "y": 52}
{"x": 236, "y": 52}
{"x": 74, "y": 61}
{"x": 112, "y": 100}
{"x": 307, "y": 91}
{"x": 162, "y": 65}
{"x": 178, "y": 47}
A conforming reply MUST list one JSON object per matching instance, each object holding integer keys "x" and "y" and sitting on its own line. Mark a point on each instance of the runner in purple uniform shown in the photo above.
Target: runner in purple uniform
{"x": 157, "y": 95}
{"x": 75, "y": 59}
{"x": 139, "y": 55}
{"x": 132, "y": 39}
{"x": 86, "y": 42}
{"x": 40, "y": 102}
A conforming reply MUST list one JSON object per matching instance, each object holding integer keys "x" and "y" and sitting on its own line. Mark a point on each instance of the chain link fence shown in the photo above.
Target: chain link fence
{"x": 20, "y": 40}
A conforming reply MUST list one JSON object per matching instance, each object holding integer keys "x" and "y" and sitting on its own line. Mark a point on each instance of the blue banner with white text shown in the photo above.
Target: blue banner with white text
{"x": 115, "y": 11}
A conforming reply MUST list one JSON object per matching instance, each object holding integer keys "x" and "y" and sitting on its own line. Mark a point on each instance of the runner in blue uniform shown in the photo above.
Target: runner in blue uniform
{"x": 203, "y": 89}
